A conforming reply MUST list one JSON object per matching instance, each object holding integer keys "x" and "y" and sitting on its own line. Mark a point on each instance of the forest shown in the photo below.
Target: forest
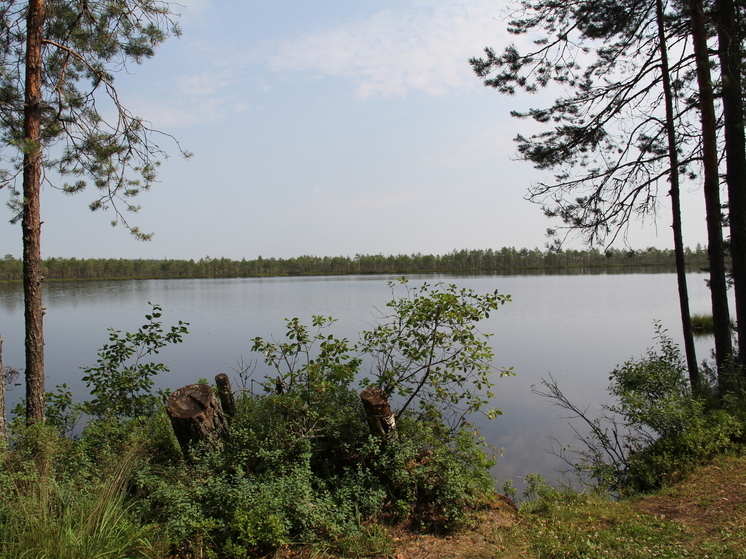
{"x": 504, "y": 259}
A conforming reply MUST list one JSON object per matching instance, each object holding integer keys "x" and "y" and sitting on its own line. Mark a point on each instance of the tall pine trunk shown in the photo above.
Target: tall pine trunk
{"x": 3, "y": 424}
{"x": 675, "y": 192}
{"x": 31, "y": 223}
{"x": 730, "y": 51}
{"x": 718, "y": 287}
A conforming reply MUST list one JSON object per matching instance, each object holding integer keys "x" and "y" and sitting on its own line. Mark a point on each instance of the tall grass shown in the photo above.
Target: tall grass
{"x": 704, "y": 325}
{"x": 44, "y": 517}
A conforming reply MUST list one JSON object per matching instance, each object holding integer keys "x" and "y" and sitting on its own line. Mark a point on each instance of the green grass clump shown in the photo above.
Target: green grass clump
{"x": 703, "y": 323}
{"x": 48, "y": 513}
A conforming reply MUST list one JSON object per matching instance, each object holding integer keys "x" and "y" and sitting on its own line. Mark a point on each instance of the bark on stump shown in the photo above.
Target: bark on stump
{"x": 196, "y": 417}
{"x": 225, "y": 392}
{"x": 378, "y": 412}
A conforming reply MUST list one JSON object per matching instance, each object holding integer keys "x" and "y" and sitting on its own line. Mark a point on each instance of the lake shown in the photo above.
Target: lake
{"x": 576, "y": 327}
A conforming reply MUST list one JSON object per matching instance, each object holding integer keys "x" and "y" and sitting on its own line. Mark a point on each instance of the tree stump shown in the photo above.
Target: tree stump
{"x": 196, "y": 417}
{"x": 378, "y": 412}
{"x": 225, "y": 392}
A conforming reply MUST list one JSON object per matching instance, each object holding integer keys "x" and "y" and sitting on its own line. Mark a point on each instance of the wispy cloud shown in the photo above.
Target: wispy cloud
{"x": 418, "y": 47}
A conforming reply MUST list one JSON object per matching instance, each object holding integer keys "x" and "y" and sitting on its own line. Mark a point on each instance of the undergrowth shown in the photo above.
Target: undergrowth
{"x": 300, "y": 465}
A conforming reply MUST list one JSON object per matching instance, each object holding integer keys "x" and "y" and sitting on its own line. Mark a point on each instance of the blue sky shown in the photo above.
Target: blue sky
{"x": 325, "y": 128}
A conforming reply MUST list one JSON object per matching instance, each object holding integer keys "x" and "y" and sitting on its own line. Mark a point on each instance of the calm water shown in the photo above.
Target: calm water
{"x": 574, "y": 327}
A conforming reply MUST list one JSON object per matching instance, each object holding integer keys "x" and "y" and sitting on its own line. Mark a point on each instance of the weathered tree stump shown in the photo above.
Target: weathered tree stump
{"x": 196, "y": 417}
{"x": 378, "y": 412}
{"x": 225, "y": 392}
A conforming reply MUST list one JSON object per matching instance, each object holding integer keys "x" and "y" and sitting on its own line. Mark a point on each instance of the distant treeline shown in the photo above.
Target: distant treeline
{"x": 456, "y": 261}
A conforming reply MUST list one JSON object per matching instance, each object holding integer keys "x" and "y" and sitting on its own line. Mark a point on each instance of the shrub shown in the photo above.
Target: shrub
{"x": 435, "y": 478}
{"x": 121, "y": 382}
{"x": 665, "y": 430}
{"x": 428, "y": 351}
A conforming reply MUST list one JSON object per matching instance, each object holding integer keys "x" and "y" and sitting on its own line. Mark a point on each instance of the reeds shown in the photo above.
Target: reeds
{"x": 704, "y": 325}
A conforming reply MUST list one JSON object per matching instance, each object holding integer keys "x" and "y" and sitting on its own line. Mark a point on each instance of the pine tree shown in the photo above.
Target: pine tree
{"x": 623, "y": 127}
{"x": 57, "y": 63}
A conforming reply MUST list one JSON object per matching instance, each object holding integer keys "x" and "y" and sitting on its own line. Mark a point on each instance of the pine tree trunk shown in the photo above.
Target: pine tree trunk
{"x": 729, "y": 44}
{"x": 718, "y": 287}
{"x": 3, "y": 424}
{"x": 31, "y": 221}
{"x": 675, "y": 192}
{"x": 196, "y": 417}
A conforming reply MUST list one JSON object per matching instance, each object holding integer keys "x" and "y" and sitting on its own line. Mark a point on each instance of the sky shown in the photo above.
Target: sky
{"x": 325, "y": 128}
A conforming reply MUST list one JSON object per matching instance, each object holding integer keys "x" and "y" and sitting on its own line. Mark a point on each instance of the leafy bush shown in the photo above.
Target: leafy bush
{"x": 428, "y": 350}
{"x": 274, "y": 483}
{"x": 124, "y": 390}
{"x": 667, "y": 458}
{"x": 653, "y": 392}
{"x": 434, "y": 478}
{"x": 665, "y": 430}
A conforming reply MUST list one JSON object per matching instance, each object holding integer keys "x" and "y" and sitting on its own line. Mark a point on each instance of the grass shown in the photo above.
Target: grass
{"x": 47, "y": 518}
{"x": 703, "y": 517}
{"x": 703, "y": 324}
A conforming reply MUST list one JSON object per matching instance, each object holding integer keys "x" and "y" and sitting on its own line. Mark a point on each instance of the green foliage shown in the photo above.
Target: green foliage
{"x": 665, "y": 460}
{"x": 100, "y": 140}
{"x": 300, "y": 465}
{"x": 665, "y": 430}
{"x": 121, "y": 382}
{"x": 670, "y": 430}
{"x": 273, "y": 485}
{"x": 434, "y": 477}
{"x": 653, "y": 392}
{"x": 50, "y": 510}
{"x": 61, "y": 412}
{"x": 428, "y": 350}
{"x": 316, "y": 362}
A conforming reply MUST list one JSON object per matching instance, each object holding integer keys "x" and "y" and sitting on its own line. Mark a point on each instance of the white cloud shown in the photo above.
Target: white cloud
{"x": 182, "y": 114}
{"x": 422, "y": 47}
{"x": 417, "y": 46}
